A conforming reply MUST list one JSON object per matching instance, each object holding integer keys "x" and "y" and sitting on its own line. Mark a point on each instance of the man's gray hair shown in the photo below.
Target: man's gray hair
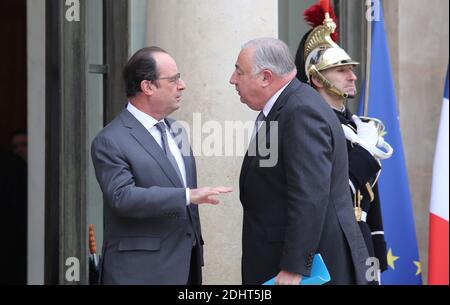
{"x": 272, "y": 54}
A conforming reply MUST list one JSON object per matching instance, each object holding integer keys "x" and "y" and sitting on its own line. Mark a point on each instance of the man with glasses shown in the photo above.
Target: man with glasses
{"x": 146, "y": 170}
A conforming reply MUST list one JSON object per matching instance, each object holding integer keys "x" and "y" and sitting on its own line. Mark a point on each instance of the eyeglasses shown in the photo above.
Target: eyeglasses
{"x": 173, "y": 79}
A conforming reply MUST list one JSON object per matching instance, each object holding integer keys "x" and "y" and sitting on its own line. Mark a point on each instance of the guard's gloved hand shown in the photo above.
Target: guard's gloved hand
{"x": 367, "y": 134}
{"x": 367, "y": 137}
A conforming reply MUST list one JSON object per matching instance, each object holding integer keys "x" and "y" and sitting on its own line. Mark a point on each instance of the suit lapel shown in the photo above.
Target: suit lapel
{"x": 272, "y": 116}
{"x": 146, "y": 140}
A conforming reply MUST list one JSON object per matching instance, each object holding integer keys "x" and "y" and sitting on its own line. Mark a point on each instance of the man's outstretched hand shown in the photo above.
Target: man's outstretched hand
{"x": 208, "y": 194}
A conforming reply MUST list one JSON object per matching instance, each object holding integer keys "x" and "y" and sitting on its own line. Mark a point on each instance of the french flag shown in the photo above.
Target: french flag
{"x": 438, "y": 245}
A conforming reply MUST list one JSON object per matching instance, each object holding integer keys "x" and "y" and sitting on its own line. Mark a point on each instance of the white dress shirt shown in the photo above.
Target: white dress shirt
{"x": 273, "y": 99}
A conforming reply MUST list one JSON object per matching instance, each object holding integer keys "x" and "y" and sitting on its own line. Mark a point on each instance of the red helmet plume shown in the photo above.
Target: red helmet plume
{"x": 315, "y": 16}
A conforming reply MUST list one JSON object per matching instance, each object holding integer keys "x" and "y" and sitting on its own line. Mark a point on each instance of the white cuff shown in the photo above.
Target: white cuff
{"x": 377, "y": 233}
{"x": 188, "y": 196}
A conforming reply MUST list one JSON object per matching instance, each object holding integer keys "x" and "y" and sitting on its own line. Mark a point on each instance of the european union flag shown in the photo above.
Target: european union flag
{"x": 400, "y": 234}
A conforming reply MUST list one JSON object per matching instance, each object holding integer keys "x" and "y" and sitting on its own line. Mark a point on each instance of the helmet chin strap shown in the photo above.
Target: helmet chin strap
{"x": 328, "y": 85}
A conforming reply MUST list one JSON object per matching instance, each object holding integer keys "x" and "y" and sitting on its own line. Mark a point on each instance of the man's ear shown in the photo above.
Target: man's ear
{"x": 315, "y": 82}
{"x": 267, "y": 77}
{"x": 147, "y": 87}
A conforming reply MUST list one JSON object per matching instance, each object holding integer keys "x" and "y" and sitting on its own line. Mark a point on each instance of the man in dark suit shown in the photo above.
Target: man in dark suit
{"x": 300, "y": 206}
{"x": 146, "y": 170}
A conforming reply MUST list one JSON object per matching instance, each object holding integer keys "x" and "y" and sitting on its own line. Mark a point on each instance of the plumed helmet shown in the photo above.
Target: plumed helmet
{"x": 318, "y": 49}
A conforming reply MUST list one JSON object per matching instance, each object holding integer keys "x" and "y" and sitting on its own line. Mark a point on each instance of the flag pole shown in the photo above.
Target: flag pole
{"x": 368, "y": 63}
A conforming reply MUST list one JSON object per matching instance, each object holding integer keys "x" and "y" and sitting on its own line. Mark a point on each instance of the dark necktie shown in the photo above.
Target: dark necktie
{"x": 165, "y": 146}
{"x": 261, "y": 118}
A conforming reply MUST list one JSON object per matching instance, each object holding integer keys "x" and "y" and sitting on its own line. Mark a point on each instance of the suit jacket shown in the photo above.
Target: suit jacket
{"x": 149, "y": 231}
{"x": 300, "y": 206}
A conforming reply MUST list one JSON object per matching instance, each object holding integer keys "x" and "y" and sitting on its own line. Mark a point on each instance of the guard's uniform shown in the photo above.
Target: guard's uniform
{"x": 363, "y": 172}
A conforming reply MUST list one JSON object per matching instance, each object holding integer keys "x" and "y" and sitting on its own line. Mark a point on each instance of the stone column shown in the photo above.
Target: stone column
{"x": 205, "y": 38}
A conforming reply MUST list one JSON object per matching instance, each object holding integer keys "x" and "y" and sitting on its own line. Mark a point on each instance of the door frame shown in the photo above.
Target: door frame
{"x": 66, "y": 232}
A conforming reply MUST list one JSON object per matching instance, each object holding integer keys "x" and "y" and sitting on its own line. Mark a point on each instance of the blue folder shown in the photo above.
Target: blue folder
{"x": 319, "y": 274}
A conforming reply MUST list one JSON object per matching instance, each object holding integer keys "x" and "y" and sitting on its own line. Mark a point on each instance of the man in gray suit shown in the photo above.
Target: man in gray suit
{"x": 147, "y": 174}
{"x": 300, "y": 206}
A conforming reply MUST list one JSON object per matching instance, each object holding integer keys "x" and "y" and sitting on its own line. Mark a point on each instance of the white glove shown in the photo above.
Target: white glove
{"x": 350, "y": 135}
{"x": 368, "y": 138}
{"x": 367, "y": 132}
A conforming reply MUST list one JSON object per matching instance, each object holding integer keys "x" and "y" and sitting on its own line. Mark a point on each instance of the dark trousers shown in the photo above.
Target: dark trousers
{"x": 195, "y": 276}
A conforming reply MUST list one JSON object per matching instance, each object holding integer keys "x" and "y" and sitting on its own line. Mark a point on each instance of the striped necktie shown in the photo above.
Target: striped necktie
{"x": 165, "y": 146}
